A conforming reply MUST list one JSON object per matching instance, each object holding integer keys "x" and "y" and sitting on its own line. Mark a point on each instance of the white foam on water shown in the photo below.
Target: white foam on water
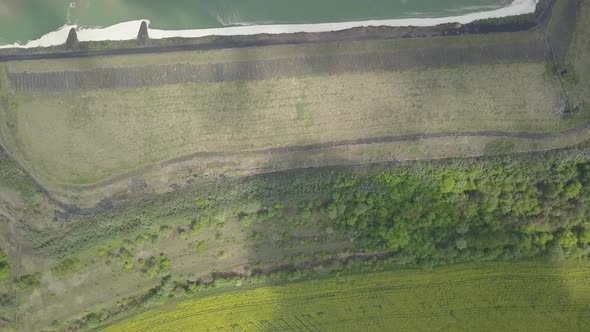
{"x": 129, "y": 30}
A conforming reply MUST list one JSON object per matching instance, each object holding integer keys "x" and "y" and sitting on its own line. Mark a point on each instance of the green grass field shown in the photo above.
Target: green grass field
{"x": 475, "y": 297}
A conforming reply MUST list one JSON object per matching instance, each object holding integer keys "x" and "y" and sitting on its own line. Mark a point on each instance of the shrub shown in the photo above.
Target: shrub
{"x": 157, "y": 267}
{"x": 572, "y": 190}
{"x": 7, "y": 300}
{"x": 4, "y": 265}
{"x": 197, "y": 246}
{"x": 584, "y": 236}
{"x": 222, "y": 255}
{"x": 182, "y": 233}
{"x": 30, "y": 281}
{"x": 66, "y": 266}
{"x": 567, "y": 239}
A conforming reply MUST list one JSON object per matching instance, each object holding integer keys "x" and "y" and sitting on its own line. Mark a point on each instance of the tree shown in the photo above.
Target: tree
{"x": 567, "y": 239}
{"x": 584, "y": 236}
{"x": 66, "y": 266}
{"x": 572, "y": 190}
{"x": 461, "y": 243}
{"x": 397, "y": 236}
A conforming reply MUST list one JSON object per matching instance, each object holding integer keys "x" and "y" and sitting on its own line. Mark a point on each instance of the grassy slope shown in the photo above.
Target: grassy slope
{"x": 85, "y": 144}
{"x": 93, "y": 135}
{"x": 482, "y": 297}
{"x": 82, "y": 139}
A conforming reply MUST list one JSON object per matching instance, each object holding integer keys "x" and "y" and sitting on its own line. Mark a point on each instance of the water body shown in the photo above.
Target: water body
{"x": 24, "y": 20}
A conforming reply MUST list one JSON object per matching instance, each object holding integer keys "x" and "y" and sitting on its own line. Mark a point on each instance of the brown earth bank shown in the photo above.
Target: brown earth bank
{"x": 538, "y": 46}
{"x": 85, "y": 49}
{"x": 533, "y": 50}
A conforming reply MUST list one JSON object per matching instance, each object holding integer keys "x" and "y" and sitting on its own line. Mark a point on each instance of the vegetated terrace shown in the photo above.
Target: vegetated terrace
{"x": 218, "y": 234}
{"x": 84, "y": 121}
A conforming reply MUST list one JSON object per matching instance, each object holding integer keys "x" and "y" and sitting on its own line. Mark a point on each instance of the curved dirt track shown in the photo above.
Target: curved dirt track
{"x": 335, "y": 144}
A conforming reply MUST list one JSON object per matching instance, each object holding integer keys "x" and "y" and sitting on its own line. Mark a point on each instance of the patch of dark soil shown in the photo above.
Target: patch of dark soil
{"x": 61, "y": 216}
{"x": 106, "y": 204}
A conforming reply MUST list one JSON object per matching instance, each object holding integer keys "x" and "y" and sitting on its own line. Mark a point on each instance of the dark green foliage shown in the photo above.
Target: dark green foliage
{"x": 30, "y": 281}
{"x": 156, "y": 267}
{"x": 508, "y": 208}
{"x": 7, "y": 300}
{"x": 4, "y": 265}
{"x": 66, "y": 266}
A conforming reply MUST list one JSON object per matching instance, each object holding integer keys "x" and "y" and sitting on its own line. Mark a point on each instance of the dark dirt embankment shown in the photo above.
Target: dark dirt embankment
{"x": 145, "y": 45}
{"x": 536, "y": 48}
{"x": 533, "y": 50}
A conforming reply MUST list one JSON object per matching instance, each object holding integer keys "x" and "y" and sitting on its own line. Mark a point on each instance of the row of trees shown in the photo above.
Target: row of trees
{"x": 513, "y": 207}
{"x": 438, "y": 212}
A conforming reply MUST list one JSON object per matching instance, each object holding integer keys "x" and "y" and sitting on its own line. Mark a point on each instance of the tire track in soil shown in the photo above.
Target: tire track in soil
{"x": 328, "y": 145}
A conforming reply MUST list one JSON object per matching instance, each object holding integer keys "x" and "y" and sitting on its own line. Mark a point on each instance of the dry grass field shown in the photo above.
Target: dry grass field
{"x": 90, "y": 136}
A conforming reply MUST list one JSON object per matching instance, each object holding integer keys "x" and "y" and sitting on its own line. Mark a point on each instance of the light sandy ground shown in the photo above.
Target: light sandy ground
{"x": 129, "y": 30}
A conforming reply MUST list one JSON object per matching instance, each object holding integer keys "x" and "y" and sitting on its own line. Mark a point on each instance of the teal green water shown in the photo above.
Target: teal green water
{"x": 23, "y": 20}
